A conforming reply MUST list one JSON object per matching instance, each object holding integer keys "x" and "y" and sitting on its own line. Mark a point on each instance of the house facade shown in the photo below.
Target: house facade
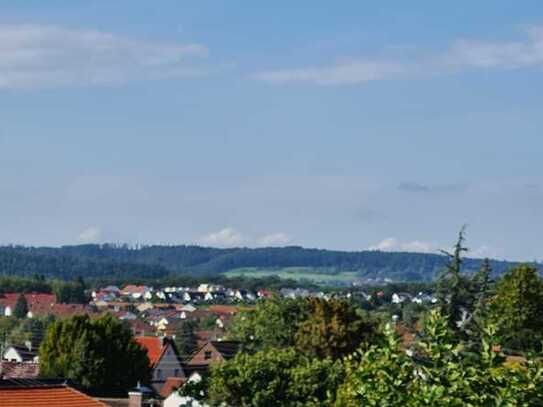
{"x": 163, "y": 358}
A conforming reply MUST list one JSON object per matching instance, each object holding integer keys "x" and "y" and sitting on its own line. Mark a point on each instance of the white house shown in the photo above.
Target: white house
{"x": 20, "y": 354}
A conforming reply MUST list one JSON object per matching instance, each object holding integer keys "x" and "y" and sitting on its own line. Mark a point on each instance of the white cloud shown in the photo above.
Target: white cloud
{"x": 486, "y": 251}
{"x": 341, "y": 73}
{"x": 227, "y": 237}
{"x": 231, "y": 237}
{"x": 42, "y": 55}
{"x": 274, "y": 239}
{"x": 394, "y": 245}
{"x": 462, "y": 55}
{"x": 506, "y": 55}
{"x": 91, "y": 234}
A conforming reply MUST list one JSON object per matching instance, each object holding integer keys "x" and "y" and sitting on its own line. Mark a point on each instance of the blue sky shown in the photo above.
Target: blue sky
{"x": 362, "y": 125}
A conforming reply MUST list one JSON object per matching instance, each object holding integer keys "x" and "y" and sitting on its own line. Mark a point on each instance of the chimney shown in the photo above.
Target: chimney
{"x": 140, "y": 396}
{"x": 135, "y": 399}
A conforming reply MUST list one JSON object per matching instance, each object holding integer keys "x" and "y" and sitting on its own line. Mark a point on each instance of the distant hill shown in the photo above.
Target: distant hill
{"x": 115, "y": 261}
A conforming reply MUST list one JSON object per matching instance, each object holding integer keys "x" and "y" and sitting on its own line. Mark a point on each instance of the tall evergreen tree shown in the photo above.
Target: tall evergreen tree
{"x": 186, "y": 340}
{"x": 21, "y": 307}
{"x": 453, "y": 291}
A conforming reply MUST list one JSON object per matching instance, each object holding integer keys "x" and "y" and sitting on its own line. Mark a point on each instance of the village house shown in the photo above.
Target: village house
{"x": 215, "y": 351}
{"x": 20, "y": 354}
{"x": 163, "y": 359}
{"x": 398, "y": 298}
{"x": 135, "y": 291}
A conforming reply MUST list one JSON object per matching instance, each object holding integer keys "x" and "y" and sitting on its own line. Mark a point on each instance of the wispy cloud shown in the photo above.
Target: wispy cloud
{"x": 91, "y": 234}
{"x": 274, "y": 239}
{"x": 43, "y": 56}
{"x": 226, "y": 237}
{"x": 392, "y": 244}
{"x": 461, "y": 55}
{"x": 343, "y": 73}
{"x": 231, "y": 237}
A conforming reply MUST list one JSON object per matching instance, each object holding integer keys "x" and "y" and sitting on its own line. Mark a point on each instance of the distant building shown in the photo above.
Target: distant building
{"x": 163, "y": 358}
{"x": 215, "y": 351}
{"x": 20, "y": 354}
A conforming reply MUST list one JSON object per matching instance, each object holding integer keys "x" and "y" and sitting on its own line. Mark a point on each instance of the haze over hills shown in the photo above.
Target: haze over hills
{"x": 121, "y": 261}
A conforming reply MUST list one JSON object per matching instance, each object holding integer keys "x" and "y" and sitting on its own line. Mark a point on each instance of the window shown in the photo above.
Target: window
{"x": 176, "y": 372}
{"x": 207, "y": 354}
{"x": 159, "y": 374}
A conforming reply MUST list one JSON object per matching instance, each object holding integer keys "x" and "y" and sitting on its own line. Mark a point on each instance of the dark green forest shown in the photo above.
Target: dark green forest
{"x": 109, "y": 261}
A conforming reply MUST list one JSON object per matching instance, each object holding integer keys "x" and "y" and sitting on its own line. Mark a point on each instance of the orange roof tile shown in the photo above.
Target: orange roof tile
{"x": 154, "y": 347}
{"x": 172, "y": 384}
{"x": 58, "y": 396}
{"x": 34, "y": 300}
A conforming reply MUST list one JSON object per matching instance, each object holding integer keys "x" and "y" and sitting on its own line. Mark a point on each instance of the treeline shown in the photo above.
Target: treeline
{"x": 121, "y": 261}
{"x": 59, "y": 263}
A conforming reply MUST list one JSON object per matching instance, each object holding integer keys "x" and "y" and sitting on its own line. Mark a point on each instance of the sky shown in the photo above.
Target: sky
{"x": 359, "y": 125}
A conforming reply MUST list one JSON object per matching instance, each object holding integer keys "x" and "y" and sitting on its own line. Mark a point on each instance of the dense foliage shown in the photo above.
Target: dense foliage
{"x": 21, "y": 332}
{"x": 334, "y": 329}
{"x": 272, "y": 324}
{"x": 275, "y": 377}
{"x": 99, "y": 354}
{"x": 517, "y": 309}
{"x": 439, "y": 372}
{"x": 114, "y": 261}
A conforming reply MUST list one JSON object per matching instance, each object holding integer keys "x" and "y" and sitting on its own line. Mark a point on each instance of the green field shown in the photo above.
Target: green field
{"x": 295, "y": 273}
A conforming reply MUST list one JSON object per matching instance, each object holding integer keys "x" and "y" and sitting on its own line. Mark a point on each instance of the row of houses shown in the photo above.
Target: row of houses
{"x": 202, "y": 293}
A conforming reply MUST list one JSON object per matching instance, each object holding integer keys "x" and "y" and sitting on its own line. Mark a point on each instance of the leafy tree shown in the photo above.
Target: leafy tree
{"x": 99, "y": 354}
{"x": 274, "y": 377}
{"x": 21, "y": 307}
{"x": 272, "y": 324}
{"x": 439, "y": 372}
{"x": 334, "y": 328}
{"x": 517, "y": 309}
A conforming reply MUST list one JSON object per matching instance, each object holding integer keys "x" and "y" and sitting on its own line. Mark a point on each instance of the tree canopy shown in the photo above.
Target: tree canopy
{"x": 275, "y": 377}
{"x": 99, "y": 354}
{"x": 439, "y": 371}
{"x": 334, "y": 328}
{"x": 517, "y": 309}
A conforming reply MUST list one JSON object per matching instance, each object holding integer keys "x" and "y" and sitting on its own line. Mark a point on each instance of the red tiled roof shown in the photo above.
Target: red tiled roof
{"x": 154, "y": 347}
{"x": 172, "y": 384}
{"x": 134, "y": 289}
{"x": 34, "y": 300}
{"x": 61, "y": 310}
{"x": 223, "y": 309}
{"x": 19, "y": 370}
{"x": 57, "y": 396}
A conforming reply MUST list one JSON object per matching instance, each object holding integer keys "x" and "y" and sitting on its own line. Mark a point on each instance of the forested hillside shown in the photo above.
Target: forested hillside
{"x": 115, "y": 261}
